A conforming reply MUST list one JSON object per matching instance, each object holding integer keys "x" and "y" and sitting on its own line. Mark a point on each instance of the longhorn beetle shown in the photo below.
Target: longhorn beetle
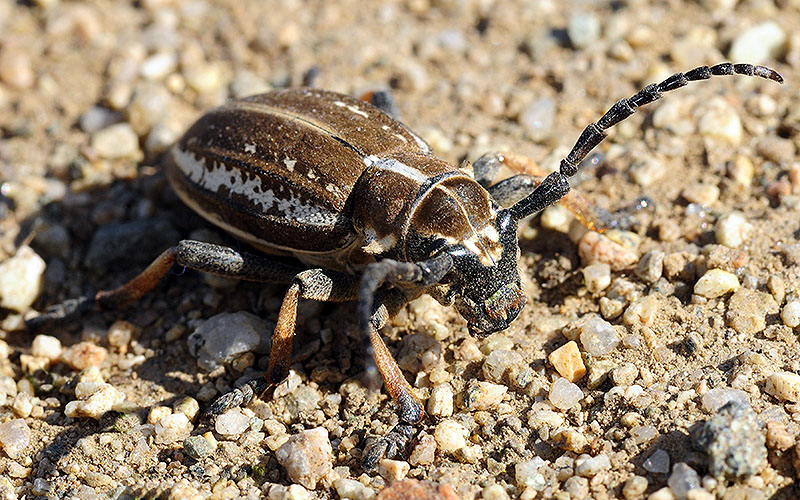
{"x": 371, "y": 214}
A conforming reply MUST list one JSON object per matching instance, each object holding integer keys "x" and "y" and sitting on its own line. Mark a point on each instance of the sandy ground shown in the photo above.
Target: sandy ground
{"x": 469, "y": 77}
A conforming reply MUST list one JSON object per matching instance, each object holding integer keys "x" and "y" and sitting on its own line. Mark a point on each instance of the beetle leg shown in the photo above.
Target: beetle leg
{"x": 383, "y": 100}
{"x": 198, "y": 255}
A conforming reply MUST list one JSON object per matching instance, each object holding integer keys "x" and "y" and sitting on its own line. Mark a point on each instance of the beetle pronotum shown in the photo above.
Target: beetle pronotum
{"x": 371, "y": 214}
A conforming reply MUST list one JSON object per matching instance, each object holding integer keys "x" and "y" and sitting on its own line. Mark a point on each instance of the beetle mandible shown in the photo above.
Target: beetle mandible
{"x": 372, "y": 215}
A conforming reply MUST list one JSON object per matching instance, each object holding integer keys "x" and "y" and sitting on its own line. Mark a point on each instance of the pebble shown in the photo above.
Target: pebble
{"x": 393, "y": 470}
{"x": 564, "y": 394}
{"x": 198, "y": 447}
{"x": 188, "y": 406}
{"x": 160, "y": 138}
{"x": 424, "y": 451}
{"x": 583, "y": 29}
{"x": 643, "y": 433}
{"x": 483, "y": 395}
{"x": 225, "y": 337}
{"x": 721, "y": 121}
{"x": 590, "y": 466}
{"x": 742, "y": 170}
{"x": 450, "y": 436}
{"x": 409, "y": 489}
{"x": 149, "y": 106}
{"x": 527, "y": 474}
{"x": 715, "y": 399}
{"x": 351, "y": 489}
{"x": 494, "y": 492}
{"x": 183, "y": 490}
{"x": 306, "y": 456}
{"x": 568, "y": 362}
{"x": 650, "y": 266}
{"x": 642, "y": 311}
{"x": 747, "y": 310}
{"x": 635, "y": 487}
{"x": 790, "y": 314}
{"x": 205, "y": 78}
{"x": 246, "y": 83}
{"x": 31, "y": 364}
{"x": 123, "y": 243}
{"x": 657, "y": 462}
{"x": 171, "y": 428}
{"x": 647, "y": 171}
{"x": 499, "y": 362}
{"x": 232, "y": 423}
{"x": 156, "y": 413}
{"x": 97, "y": 118}
{"x": 785, "y": 386}
{"x": 538, "y": 117}
{"x": 45, "y": 346}
{"x": 716, "y": 283}
{"x": 120, "y": 333}
{"x": 440, "y": 403}
{"x": 597, "y": 336}
{"x": 16, "y": 68}
{"x": 95, "y": 399}
{"x": 116, "y": 141}
{"x": 732, "y": 229}
{"x": 21, "y": 279}
{"x": 733, "y": 440}
{"x": 702, "y": 194}
{"x": 625, "y": 374}
{"x": 597, "y": 277}
{"x": 594, "y": 248}
{"x": 84, "y": 355}
{"x": 15, "y": 436}
{"x": 159, "y": 65}
{"x": 682, "y": 480}
{"x": 758, "y": 45}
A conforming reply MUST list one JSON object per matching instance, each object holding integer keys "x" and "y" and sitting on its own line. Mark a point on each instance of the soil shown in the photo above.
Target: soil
{"x": 464, "y": 74}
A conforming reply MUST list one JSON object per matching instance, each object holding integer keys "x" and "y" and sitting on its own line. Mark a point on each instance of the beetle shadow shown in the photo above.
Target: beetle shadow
{"x": 79, "y": 237}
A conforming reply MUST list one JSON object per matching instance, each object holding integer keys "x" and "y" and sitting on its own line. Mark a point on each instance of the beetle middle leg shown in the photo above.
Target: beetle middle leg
{"x": 509, "y": 191}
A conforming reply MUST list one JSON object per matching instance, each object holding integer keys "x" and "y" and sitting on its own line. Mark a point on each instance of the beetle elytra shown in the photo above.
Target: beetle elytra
{"x": 367, "y": 210}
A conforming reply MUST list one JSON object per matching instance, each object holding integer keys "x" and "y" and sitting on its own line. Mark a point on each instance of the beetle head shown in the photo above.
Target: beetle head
{"x": 488, "y": 296}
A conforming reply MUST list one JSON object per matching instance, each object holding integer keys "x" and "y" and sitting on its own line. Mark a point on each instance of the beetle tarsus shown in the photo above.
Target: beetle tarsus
{"x": 60, "y": 313}
{"x": 239, "y": 396}
{"x": 395, "y": 444}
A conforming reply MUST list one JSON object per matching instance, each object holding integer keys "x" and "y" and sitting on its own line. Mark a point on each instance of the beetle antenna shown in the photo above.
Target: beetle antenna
{"x": 555, "y": 185}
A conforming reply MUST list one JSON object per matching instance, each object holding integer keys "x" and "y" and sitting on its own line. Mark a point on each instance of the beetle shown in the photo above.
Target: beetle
{"x": 370, "y": 214}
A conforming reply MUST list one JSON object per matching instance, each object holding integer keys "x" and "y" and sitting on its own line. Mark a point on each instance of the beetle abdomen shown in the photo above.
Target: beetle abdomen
{"x": 277, "y": 169}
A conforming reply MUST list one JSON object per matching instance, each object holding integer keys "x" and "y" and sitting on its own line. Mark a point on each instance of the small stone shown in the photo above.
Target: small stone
{"x": 591, "y": 466}
{"x": 683, "y": 480}
{"x": 440, "y": 403}
{"x": 642, "y": 311}
{"x": 747, "y": 310}
{"x": 556, "y": 218}
{"x": 499, "y": 362}
{"x": 715, "y": 399}
{"x": 595, "y": 248}
{"x": 149, "y": 106}
{"x": 733, "y": 440}
{"x": 232, "y": 423}
{"x": 635, "y": 487}
{"x": 538, "y": 117}
{"x": 393, "y": 470}
{"x": 583, "y": 29}
{"x": 246, "y": 83}
{"x": 21, "y": 279}
{"x": 409, "y": 489}
{"x": 611, "y": 308}
{"x": 15, "y": 436}
{"x": 351, "y": 489}
{"x": 120, "y": 333}
{"x": 494, "y": 492}
{"x": 84, "y": 355}
{"x": 172, "y": 428}
{"x": 159, "y": 65}
{"x": 225, "y": 337}
{"x": 424, "y": 451}
{"x": 716, "y": 283}
{"x": 597, "y": 336}
{"x": 306, "y": 456}
{"x": 721, "y": 122}
{"x": 785, "y": 386}
{"x": 564, "y": 394}
{"x": 45, "y": 346}
{"x": 647, "y": 171}
{"x": 116, "y": 141}
{"x": 205, "y": 78}
{"x": 657, "y": 462}
{"x": 597, "y": 277}
{"x": 95, "y": 399}
{"x": 16, "y": 68}
{"x": 22, "y": 405}
{"x": 156, "y": 413}
{"x": 650, "y": 266}
{"x": 527, "y": 474}
{"x": 758, "y": 45}
{"x": 778, "y": 436}
{"x": 41, "y": 486}
{"x": 791, "y": 314}
{"x": 183, "y": 490}
{"x": 702, "y": 194}
{"x": 160, "y": 138}
{"x": 15, "y": 469}
{"x": 624, "y": 374}
{"x": 732, "y": 229}
{"x": 97, "y": 118}
{"x": 484, "y": 395}
{"x": 188, "y": 406}
{"x": 643, "y": 434}
{"x": 450, "y": 436}
{"x": 577, "y": 487}
{"x": 198, "y": 447}
{"x": 568, "y": 362}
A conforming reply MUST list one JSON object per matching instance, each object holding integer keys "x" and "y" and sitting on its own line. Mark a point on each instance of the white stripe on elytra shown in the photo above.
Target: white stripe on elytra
{"x": 392, "y": 165}
{"x": 213, "y": 177}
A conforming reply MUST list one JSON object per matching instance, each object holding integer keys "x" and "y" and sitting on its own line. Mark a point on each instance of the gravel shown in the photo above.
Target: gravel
{"x": 225, "y": 337}
{"x": 733, "y": 440}
{"x": 306, "y": 456}
{"x": 21, "y": 279}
